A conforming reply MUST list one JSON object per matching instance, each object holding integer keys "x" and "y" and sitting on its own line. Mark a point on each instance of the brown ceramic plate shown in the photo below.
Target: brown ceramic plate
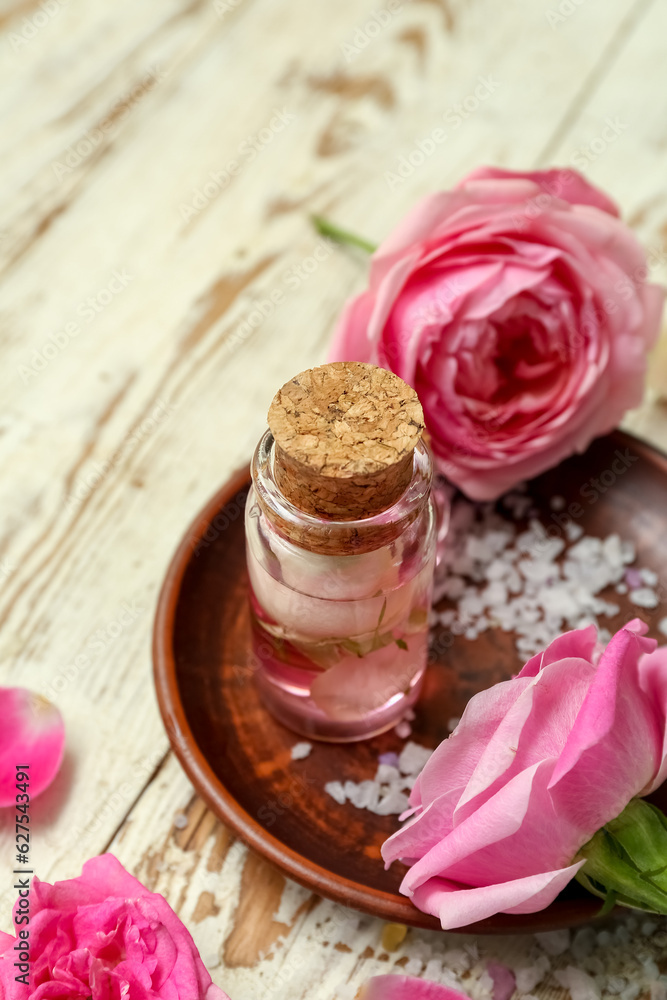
{"x": 238, "y": 757}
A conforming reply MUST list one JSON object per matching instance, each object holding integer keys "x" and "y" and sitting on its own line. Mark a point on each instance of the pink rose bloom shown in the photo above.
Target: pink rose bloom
{"x": 407, "y": 988}
{"x": 31, "y": 732}
{"x": 104, "y": 936}
{"x": 516, "y": 305}
{"x": 536, "y": 766}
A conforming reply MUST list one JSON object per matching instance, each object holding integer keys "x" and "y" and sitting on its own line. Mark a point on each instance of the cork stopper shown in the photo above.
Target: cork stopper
{"x": 345, "y": 435}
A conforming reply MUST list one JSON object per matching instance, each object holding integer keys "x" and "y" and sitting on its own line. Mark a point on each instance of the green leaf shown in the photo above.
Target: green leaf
{"x": 401, "y": 643}
{"x": 626, "y": 860}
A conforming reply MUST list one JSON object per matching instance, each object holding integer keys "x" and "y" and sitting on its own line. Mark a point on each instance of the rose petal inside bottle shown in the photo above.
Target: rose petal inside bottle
{"x": 347, "y": 635}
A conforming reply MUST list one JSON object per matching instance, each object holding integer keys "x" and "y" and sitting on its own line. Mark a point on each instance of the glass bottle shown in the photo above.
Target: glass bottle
{"x": 340, "y": 531}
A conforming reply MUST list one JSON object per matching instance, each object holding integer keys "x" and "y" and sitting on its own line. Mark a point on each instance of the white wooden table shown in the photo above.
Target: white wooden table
{"x": 159, "y": 161}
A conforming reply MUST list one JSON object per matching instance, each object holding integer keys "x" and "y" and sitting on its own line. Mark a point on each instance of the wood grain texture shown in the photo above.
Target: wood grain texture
{"x": 141, "y": 296}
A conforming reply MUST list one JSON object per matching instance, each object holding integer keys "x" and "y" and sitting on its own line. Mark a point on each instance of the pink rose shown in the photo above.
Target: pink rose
{"x": 407, "y": 988}
{"x": 517, "y": 307}
{"x": 104, "y": 936}
{"x": 537, "y": 765}
{"x": 31, "y": 732}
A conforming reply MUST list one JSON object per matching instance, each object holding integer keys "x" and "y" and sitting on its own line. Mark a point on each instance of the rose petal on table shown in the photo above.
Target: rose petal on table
{"x": 407, "y": 988}
{"x": 504, "y": 980}
{"x": 32, "y": 732}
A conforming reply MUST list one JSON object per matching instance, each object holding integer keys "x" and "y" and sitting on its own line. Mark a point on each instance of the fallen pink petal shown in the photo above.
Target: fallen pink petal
{"x": 408, "y": 988}
{"x": 504, "y": 981}
{"x": 32, "y": 735}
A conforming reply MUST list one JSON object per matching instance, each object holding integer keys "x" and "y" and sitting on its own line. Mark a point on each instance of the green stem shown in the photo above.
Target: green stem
{"x": 326, "y": 228}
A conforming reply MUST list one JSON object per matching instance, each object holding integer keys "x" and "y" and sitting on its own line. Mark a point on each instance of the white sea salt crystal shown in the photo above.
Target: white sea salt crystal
{"x": 649, "y": 577}
{"x": 529, "y": 541}
{"x": 403, "y": 729}
{"x": 366, "y": 795}
{"x": 413, "y": 758}
{"x": 622, "y": 934}
{"x": 457, "y": 959}
{"x": 648, "y": 928}
{"x": 528, "y": 977}
{"x": 549, "y": 595}
{"x": 573, "y": 531}
{"x": 621, "y": 588}
{"x": 662, "y": 626}
{"x": 628, "y": 551}
{"x": 420, "y": 949}
{"x": 479, "y": 549}
{"x": 557, "y": 502}
{"x": 454, "y": 587}
{"x": 616, "y": 985}
{"x": 462, "y": 565}
{"x": 580, "y": 985}
{"x": 534, "y": 571}
{"x": 336, "y": 791}
{"x": 349, "y": 788}
{"x": 386, "y": 774}
{"x": 413, "y": 967}
{"x": 613, "y": 549}
{"x": 394, "y": 802}
{"x": 650, "y": 968}
{"x": 498, "y": 569}
{"x": 554, "y": 942}
{"x": 587, "y": 549}
{"x": 484, "y": 986}
{"x": 450, "y": 979}
{"x": 594, "y": 965}
{"x": 301, "y": 750}
{"x": 471, "y": 604}
{"x": 558, "y": 600}
{"x": 433, "y": 970}
{"x": 551, "y": 548}
{"x": 494, "y": 594}
{"x": 644, "y": 597}
{"x": 180, "y": 821}
{"x": 631, "y": 992}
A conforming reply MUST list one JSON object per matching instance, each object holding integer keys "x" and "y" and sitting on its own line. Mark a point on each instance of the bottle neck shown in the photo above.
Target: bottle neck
{"x": 327, "y": 533}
